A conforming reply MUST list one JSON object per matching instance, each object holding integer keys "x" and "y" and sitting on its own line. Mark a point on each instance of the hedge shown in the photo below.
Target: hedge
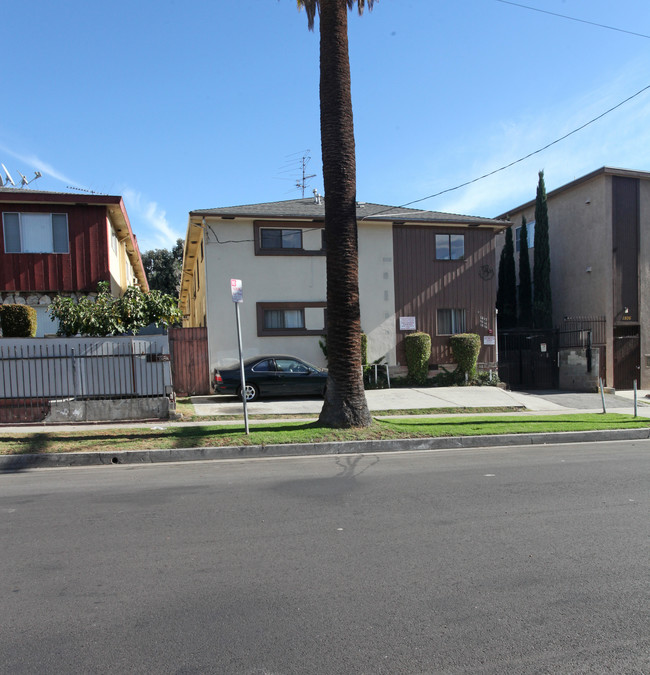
{"x": 418, "y": 351}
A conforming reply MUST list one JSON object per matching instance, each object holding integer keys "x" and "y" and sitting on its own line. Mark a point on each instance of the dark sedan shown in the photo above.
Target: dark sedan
{"x": 271, "y": 376}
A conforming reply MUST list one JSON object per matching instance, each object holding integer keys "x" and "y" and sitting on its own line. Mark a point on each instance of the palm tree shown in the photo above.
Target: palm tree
{"x": 345, "y": 401}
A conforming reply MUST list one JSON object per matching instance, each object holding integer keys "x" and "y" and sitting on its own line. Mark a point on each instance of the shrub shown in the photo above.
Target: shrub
{"x": 465, "y": 348}
{"x": 418, "y": 351}
{"x": 106, "y": 315}
{"x": 18, "y": 321}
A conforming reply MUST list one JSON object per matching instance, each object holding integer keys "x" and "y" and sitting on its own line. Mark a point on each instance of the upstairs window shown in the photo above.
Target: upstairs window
{"x": 450, "y": 246}
{"x": 276, "y": 238}
{"x": 35, "y": 232}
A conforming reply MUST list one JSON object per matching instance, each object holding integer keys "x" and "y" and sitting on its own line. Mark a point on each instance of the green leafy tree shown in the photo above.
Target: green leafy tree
{"x": 107, "y": 315}
{"x": 525, "y": 290}
{"x": 542, "y": 301}
{"x": 345, "y": 401}
{"x": 507, "y": 290}
{"x": 163, "y": 268}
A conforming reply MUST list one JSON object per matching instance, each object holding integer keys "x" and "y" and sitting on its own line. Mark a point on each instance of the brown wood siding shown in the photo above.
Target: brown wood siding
{"x": 423, "y": 285}
{"x": 77, "y": 271}
{"x": 625, "y": 238}
{"x": 190, "y": 363}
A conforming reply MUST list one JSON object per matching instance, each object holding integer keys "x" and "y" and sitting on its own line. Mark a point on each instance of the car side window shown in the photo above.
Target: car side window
{"x": 291, "y": 366}
{"x": 265, "y": 366}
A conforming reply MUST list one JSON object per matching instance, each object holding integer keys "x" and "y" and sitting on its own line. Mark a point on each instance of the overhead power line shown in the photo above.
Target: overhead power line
{"x": 573, "y": 18}
{"x": 530, "y": 154}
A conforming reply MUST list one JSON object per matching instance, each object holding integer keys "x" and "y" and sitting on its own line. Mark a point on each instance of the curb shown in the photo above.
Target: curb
{"x": 10, "y": 463}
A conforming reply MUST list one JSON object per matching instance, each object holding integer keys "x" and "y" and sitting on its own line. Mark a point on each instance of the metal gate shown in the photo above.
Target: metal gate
{"x": 627, "y": 356}
{"x": 529, "y": 360}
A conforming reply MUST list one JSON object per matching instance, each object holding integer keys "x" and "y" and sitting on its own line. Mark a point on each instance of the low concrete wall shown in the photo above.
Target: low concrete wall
{"x": 69, "y": 411}
{"x": 574, "y": 375}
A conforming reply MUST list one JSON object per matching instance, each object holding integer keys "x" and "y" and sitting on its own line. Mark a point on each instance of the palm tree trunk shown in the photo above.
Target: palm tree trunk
{"x": 345, "y": 402}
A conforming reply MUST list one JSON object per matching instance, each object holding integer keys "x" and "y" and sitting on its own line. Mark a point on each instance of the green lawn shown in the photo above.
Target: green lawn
{"x": 269, "y": 433}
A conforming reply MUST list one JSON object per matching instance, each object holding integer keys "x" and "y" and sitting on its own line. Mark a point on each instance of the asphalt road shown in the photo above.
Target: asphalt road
{"x": 517, "y": 560}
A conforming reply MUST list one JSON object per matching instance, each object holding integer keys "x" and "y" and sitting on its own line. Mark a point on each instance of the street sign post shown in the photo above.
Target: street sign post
{"x": 237, "y": 292}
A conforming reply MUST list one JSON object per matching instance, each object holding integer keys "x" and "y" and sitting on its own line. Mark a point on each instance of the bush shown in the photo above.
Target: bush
{"x": 465, "y": 348}
{"x": 418, "y": 351}
{"x": 106, "y": 315}
{"x": 18, "y": 321}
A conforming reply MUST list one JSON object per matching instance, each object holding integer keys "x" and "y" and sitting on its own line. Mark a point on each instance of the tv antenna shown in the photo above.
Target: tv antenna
{"x": 72, "y": 187}
{"x": 303, "y": 159}
{"x": 302, "y": 184}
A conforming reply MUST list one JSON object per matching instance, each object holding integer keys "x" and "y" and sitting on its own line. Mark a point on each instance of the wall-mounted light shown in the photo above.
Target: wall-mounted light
{"x": 588, "y": 201}
{"x": 588, "y": 270}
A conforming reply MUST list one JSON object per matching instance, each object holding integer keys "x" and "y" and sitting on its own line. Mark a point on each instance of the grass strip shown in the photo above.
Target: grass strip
{"x": 267, "y": 433}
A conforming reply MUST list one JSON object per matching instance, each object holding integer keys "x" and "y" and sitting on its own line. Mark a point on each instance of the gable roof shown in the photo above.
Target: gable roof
{"x": 113, "y": 203}
{"x": 311, "y": 209}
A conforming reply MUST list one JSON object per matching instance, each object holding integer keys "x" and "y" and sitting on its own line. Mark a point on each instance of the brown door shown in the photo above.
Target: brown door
{"x": 627, "y": 356}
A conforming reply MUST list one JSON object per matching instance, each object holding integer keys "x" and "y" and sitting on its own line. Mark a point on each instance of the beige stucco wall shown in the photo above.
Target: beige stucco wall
{"x": 119, "y": 265}
{"x": 377, "y": 289}
{"x": 264, "y": 279}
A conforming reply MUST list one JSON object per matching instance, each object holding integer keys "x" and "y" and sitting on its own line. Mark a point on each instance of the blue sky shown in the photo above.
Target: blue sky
{"x": 181, "y": 106}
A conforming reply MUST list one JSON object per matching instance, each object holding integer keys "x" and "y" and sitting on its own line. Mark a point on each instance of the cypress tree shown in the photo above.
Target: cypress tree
{"x": 542, "y": 302}
{"x": 525, "y": 290}
{"x": 507, "y": 290}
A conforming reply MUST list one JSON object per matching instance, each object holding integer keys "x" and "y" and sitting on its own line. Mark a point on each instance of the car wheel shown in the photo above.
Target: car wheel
{"x": 252, "y": 392}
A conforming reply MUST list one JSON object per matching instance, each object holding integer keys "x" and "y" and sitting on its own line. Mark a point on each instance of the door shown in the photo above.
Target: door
{"x": 627, "y": 356}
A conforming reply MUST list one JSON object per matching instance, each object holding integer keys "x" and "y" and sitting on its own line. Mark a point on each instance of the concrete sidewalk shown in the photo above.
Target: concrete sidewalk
{"x": 430, "y": 397}
{"x": 550, "y": 402}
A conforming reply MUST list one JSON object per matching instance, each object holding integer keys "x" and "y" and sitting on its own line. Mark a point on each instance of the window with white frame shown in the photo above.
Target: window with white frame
{"x": 451, "y": 321}
{"x": 35, "y": 232}
{"x": 450, "y": 246}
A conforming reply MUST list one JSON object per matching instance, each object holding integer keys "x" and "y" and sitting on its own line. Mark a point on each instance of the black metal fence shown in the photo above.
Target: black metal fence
{"x": 597, "y": 325}
{"x": 36, "y": 373}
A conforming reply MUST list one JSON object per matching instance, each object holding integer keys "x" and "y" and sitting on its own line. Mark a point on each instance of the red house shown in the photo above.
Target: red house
{"x": 55, "y": 243}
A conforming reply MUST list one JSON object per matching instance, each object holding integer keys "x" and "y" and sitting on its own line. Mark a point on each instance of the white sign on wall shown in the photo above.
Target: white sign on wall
{"x": 236, "y": 290}
{"x": 489, "y": 340}
{"x": 407, "y": 323}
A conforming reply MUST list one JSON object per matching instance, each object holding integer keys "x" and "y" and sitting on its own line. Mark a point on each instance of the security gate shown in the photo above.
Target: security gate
{"x": 529, "y": 360}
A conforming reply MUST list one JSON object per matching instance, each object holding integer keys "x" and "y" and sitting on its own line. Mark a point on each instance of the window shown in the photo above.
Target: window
{"x": 283, "y": 318}
{"x": 35, "y": 232}
{"x": 451, "y": 321}
{"x": 290, "y": 318}
{"x": 275, "y": 238}
{"x": 113, "y": 240}
{"x": 530, "y": 232}
{"x": 450, "y": 246}
{"x": 278, "y": 238}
